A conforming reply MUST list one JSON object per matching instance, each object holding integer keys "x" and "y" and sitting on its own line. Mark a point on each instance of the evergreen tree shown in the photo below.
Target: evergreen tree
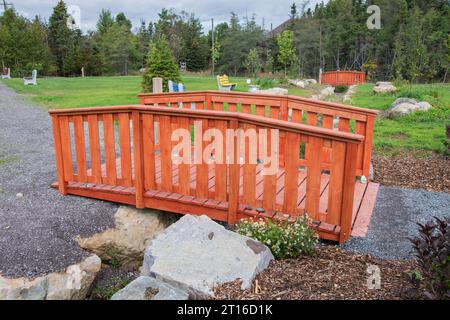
{"x": 105, "y": 21}
{"x": 60, "y": 36}
{"x": 286, "y": 54}
{"x": 161, "y": 63}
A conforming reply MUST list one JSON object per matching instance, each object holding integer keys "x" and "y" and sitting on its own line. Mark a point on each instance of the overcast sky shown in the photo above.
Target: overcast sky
{"x": 272, "y": 11}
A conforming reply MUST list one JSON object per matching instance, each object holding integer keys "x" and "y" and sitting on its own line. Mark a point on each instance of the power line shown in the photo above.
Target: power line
{"x": 5, "y": 5}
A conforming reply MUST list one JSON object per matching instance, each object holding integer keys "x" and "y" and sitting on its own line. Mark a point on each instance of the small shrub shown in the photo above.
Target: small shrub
{"x": 341, "y": 89}
{"x": 447, "y": 142}
{"x": 432, "y": 248}
{"x": 266, "y": 83}
{"x": 285, "y": 240}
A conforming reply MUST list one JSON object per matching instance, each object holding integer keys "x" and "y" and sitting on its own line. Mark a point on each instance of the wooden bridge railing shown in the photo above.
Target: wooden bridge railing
{"x": 134, "y": 143}
{"x": 343, "y": 78}
{"x": 294, "y": 109}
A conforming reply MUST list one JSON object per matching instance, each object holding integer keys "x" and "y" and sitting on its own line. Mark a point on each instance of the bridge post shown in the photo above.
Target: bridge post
{"x": 138, "y": 159}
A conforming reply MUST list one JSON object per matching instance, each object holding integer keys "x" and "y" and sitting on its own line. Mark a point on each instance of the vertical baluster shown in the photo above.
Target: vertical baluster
{"x": 249, "y": 169}
{"x": 291, "y": 173}
{"x": 148, "y": 129}
{"x": 125, "y": 148}
{"x": 313, "y": 180}
{"x": 66, "y": 147}
{"x": 139, "y": 184}
{"x": 166, "y": 150}
{"x": 94, "y": 145}
{"x": 220, "y": 185}
{"x": 233, "y": 200}
{"x": 80, "y": 148}
{"x": 110, "y": 149}
{"x": 184, "y": 168}
{"x": 202, "y": 167}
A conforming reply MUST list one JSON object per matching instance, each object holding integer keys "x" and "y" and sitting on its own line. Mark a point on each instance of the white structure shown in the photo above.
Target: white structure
{"x": 176, "y": 87}
{"x": 32, "y": 80}
{"x": 7, "y": 74}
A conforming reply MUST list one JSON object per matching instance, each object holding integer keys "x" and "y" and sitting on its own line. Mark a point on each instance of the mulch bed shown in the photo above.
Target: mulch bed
{"x": 429, "y": 173}
{"x": 330, "y": 273}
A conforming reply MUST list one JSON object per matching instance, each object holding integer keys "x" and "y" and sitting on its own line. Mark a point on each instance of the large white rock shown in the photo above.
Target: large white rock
{"x": 404, "y": 106}
{"x": 126, "y": 242}
{"x": 196, "y": 254}
{"x": 384, "y": 87}
{"x": 72, "y": 284}
{"x": 278, "y": 91}
{"x": 148, "y": 288}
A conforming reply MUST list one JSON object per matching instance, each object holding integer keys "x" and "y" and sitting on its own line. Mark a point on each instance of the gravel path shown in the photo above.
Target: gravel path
{"x": 394, "y": 220}
{"x": 37, "y": 230}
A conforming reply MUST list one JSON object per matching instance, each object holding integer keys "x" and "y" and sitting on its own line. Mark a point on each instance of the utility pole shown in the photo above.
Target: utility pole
{"x": 5, "y": 5}
{"x": 213, "y": 48}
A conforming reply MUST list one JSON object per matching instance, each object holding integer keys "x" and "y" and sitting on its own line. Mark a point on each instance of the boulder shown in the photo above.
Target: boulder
{"x": 384, "y": 87}
{"x": 403, "y": 100}
{"x": 310, "y": 81}
{"x": 278, "y": 91}
{"x": 126, "y": 243}
{"x": 196, "y": 254}
{"x": 404, "y": 106}
{"x": 298, "y": 83}
{"x": 148, "y": 288}
{"x": 72, "y": 284}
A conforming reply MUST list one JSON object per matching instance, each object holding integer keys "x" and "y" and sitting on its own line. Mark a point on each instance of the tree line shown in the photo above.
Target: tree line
{"x": 413, "y": 42}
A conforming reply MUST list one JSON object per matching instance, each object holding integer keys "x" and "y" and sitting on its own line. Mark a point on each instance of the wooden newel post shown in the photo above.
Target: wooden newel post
{"x": 348, "y": 191}
{"x": 138, "y": 159}
{"x": 62, "y": 184}
{"x": 157, "y": 84}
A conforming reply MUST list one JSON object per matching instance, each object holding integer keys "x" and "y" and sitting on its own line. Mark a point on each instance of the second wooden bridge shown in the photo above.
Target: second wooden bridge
{"x": 125, "y": 154}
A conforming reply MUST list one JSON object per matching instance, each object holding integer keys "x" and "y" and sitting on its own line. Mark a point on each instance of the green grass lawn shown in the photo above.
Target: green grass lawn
{"x": 419, "y": 133}
{"x": 103, "y": 91}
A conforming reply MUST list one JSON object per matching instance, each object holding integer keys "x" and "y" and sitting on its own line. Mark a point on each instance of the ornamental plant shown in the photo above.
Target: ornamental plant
{"x": 285, "y": 240}
{"x": 432, "y": 248}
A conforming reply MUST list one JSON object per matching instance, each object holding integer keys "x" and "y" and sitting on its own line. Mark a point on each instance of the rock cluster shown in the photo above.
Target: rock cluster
{"x": 384, "y": 87}
{"x": 404, "y": 106}
{"x": 72, "y": 284}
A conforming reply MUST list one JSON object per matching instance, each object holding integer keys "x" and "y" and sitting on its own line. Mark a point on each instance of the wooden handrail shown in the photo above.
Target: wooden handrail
{"x": 280, "y": 108}
{"x": 219, "y": 115}
{"x": 159, "y": 97}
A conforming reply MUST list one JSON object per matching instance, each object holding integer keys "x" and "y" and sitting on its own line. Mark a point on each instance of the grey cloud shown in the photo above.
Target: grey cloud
{"x": 274, "y": 12}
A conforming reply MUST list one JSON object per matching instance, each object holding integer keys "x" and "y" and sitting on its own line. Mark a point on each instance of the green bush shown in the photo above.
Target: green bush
{"x": 161, "y": 63}
{"x": 341, "y": 89}
{"x": 266, "y": 83}
{"x": 285, "y": 240}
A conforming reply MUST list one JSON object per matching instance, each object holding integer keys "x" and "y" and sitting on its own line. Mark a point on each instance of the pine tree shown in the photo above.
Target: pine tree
{"x": 60, "y": 36}
{"x": 161, "y": 63}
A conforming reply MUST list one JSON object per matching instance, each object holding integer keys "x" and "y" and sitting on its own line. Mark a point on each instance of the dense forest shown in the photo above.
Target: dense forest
{"x": 413, "y": 42}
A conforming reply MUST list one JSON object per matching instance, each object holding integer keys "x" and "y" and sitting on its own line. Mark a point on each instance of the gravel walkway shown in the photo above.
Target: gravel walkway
{"x": 37, "y": 230}
{"x": 394, "y": 220}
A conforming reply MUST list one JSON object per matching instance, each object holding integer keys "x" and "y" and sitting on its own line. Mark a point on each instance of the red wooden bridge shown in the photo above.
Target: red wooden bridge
{"x": 343, "y": 78}
{"x": 125, "y": 154}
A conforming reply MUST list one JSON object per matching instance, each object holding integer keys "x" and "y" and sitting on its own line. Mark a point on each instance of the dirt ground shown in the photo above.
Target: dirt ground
{"x": 429, "y": 173}
{"x": 330, "y": 273}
